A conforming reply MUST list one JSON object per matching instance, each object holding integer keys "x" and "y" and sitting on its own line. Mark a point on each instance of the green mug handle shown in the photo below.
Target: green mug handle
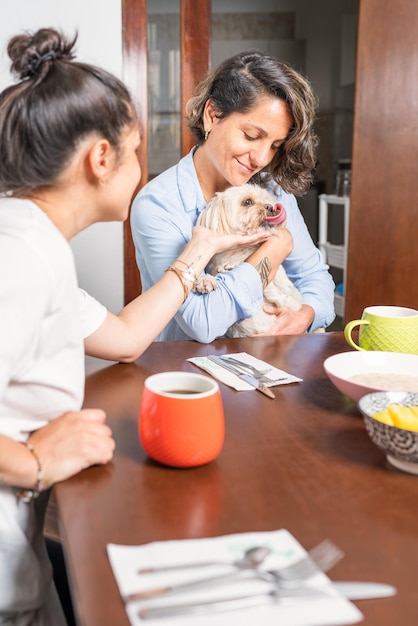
{"x": 348, "y": 330}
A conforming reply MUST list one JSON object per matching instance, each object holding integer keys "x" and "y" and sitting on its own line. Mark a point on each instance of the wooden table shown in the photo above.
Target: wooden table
{"x": 303, "y": 462}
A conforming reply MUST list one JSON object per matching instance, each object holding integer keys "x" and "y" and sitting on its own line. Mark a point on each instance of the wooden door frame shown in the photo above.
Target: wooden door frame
{"x": 194, "y": 64}
{"x": 135, "y": 75}
{"x": 382, "y": 258}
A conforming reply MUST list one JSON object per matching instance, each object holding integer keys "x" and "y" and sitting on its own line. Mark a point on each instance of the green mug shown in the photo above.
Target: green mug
{"x": 387, "y": 329}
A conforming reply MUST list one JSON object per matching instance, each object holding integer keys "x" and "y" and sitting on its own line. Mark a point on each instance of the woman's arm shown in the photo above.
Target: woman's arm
{"x": 65, "y": 446}
{"x": 267, "y": 258}
{"x": 305, "y": 267}
{"x": 125, "y": 336}
{"x": 310, "y": 275}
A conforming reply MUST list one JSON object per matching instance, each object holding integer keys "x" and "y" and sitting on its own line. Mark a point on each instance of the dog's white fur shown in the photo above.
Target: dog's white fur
{"x": 244, "y": 210}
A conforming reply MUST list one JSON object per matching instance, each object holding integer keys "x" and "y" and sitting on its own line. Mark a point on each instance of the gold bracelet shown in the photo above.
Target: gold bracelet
{"x": 189, "y": 267}
{"x": 188, "y": 273}
{"x": 181, "y": 261}
{"x": 179, "y": 275}
{"x": 27, "y": 495}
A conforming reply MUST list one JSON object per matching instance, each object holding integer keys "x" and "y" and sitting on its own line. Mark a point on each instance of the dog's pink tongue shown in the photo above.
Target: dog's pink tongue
{"x": 279, "y": 214}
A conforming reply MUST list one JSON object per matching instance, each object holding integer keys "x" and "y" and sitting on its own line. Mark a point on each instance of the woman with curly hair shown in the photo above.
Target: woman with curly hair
{"x": 253, "y": 120}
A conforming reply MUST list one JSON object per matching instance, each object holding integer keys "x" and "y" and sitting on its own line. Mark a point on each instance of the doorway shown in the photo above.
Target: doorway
{"x": 156, "y": 33}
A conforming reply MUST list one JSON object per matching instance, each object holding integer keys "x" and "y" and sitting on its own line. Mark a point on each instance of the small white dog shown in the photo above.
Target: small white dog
{"x": 246, "y": 210}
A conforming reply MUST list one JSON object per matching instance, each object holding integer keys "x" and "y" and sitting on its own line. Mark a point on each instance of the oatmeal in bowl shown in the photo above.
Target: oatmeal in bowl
{"x": 358, "y": 373}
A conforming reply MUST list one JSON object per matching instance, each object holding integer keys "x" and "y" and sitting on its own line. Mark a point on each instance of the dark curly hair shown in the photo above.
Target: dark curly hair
{"x": 237, "y": 85}
{"x": 55, "y": 105}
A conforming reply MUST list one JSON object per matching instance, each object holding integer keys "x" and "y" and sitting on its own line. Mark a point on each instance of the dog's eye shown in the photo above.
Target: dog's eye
{"x": 247, "y": 202}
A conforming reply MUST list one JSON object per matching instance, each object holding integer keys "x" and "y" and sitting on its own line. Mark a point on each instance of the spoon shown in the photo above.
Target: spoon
{"x": 252, "y": 558}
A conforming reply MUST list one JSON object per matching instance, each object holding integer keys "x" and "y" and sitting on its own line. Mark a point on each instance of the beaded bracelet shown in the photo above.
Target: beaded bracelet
{"x": 27, "y": 495}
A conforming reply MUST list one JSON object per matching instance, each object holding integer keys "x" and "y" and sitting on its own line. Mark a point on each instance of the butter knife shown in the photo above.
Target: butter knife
{"x": 351, "y": 590}
{"x": 248, "y": 379}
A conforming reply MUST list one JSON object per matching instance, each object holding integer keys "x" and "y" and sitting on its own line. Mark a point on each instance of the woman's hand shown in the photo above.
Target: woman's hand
{"x": 289, "y": 322}
{"x": 72, "y": 443}
{"x": 221, "y": 242}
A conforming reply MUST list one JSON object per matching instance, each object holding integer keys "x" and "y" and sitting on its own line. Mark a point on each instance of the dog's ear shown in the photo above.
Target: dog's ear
{"x": 215, "y": 216}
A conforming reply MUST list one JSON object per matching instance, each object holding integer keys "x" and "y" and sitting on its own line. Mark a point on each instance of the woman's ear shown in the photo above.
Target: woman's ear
{"x": 210, "y": 115}
{"x": 100, "y": 160}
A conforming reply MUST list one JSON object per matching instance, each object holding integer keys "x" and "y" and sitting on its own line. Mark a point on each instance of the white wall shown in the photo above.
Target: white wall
{"x": 99, "y": 249}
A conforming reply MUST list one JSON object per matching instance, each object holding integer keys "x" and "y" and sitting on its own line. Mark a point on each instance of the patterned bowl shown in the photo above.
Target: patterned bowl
{"x": 399, "y": 445}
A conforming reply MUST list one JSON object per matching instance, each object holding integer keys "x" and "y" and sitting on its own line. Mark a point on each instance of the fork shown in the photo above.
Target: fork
{"x": 254, "y": 370}
{"x": 321, "y": 558}
{"x": 257, "y": 373}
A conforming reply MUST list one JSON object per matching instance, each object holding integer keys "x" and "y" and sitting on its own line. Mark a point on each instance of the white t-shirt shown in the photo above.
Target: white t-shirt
{"x": 43, "y": 316}
{"x": 41, "y": 347}
{"x": 92, "y": 313}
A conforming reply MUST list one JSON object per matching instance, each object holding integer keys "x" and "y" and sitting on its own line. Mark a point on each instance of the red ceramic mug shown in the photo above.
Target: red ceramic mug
{"x": 181, "y": 419}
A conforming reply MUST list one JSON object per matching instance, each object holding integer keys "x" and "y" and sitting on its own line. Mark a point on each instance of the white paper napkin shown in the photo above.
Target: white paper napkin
{"x": 326, "y": 608}
{"x": 277, "y": 377}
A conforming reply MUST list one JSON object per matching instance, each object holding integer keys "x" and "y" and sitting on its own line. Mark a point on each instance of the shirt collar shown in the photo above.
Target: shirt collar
{"x": 188, "y": 184}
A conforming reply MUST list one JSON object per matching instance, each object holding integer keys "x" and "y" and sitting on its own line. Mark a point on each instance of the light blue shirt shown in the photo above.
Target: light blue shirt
{"x": 162, "y": 217}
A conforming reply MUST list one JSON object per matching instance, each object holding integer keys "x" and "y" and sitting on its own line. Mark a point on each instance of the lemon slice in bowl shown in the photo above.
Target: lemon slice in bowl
{"x": 405, "y": 417}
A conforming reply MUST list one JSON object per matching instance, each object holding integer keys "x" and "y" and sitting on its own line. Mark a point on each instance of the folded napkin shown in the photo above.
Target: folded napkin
{"x": 327, "y": 607}
{"x": 276, "y": 376}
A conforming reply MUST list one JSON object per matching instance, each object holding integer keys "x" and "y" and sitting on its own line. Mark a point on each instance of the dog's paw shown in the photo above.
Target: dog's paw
{"x": 205, "y": 284}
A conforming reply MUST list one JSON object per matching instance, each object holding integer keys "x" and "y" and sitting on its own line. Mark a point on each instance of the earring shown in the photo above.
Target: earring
{"x": 207, "y": 134}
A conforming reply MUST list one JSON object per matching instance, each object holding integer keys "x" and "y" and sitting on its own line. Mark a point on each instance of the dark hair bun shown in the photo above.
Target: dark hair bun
{"x": 32, "y": 53}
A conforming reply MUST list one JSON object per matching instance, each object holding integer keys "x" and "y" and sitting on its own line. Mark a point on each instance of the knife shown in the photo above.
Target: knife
{"x": 363, "y": 590}
{"x": 350, "y": 590}
{"x": 248, "y": 379}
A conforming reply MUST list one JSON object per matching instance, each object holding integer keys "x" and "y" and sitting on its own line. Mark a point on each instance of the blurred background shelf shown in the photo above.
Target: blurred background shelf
{"x": 333, "y": 245}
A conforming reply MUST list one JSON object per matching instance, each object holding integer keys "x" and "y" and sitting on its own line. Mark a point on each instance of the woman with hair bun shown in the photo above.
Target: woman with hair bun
{"x": 68, "y": 158}
{"x": 253, "y": 121}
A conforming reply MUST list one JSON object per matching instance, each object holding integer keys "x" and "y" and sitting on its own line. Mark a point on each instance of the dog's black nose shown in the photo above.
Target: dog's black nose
{"x": 269, "y": 208}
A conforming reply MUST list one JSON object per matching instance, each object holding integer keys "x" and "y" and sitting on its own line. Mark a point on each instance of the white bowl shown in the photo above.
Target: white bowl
{"x": 341, "y": 367}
